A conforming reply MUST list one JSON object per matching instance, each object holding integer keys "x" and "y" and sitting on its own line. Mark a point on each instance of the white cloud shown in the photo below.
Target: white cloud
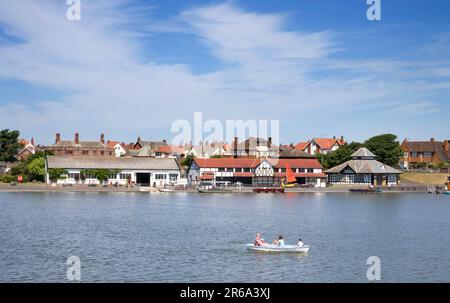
{"x": 269, "y": 73}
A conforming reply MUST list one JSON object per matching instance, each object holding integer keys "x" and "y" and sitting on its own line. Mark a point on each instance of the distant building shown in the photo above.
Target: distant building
{"x": 119, "y": 148}
{"x": 320, "y": 145}
{"x": 141, "y": 171}
{"x": 257, "y": 172}
{"x": 206, "y": 150}
{"x": 81, "y": 148}
{"x": 363, "y": 169}
{"x": 415, "y": 152}
{"x": 253, "y": 148}
{"x": 27, "y": 150}
{"x": 153, "y": 145}
{"x": 170, "y": 151}
{"x": 4, "y": 167}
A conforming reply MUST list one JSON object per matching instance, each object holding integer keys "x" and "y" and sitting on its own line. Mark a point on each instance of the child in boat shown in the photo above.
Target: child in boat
{"x": 300, "y": 243}
{"x": 259, "y": 241}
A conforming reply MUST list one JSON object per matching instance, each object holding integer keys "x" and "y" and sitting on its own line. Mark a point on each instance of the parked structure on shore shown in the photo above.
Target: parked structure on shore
{"x": 81, "y": 148}
{"x": 256, "y": 171}
{"x": 363, "y": 169}
{"x": 140, "y": 171}
{"x": 415, "y": 152}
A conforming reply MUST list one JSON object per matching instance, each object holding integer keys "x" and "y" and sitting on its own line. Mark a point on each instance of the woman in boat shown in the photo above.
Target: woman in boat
{"x": 279, "y": 241}
{"x": 259, "y": 241}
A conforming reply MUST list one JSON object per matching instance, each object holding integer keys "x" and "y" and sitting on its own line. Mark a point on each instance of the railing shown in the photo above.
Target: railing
{"x": 427, "y": 170}
{"x": 411, "y": 188}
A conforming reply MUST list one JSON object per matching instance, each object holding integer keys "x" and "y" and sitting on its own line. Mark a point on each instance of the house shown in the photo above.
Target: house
{"x": 293, "y": 153}
{"x": 415, "y": 152}
{"x": 27, "y": 150}
{"x": 81, "y": 148}
{"x": 119, "y": 148}
{"x": 252, "y": 147}
{"x": 152, "y": 144}
{"x": 363, "y": 169}
{"x": 170, "y": 151}
{"x": 145, "y": 151}
{"x": 4, "y": 167}
{"x": 320, "y": 145}
{"x": 140, "y": 171}
{"x": 206, "y": 150}
{"x": 256, "y": 171}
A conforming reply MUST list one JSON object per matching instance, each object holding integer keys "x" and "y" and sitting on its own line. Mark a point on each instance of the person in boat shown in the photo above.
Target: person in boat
{"x": 259, "y": 241}
{"x": 300, "y": 243}
{"x": 279, "y": 241}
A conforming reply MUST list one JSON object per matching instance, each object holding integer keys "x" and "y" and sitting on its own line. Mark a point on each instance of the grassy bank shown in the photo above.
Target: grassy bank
{"x": 425, "y": 178}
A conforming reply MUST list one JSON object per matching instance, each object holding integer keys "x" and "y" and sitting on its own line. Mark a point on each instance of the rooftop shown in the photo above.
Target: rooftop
{"x": 111, "y": 163}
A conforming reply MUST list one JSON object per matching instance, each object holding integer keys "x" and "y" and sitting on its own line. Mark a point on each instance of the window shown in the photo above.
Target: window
{"x": 310, "y": 170}
{"x": 102, "y": 153}
{"x": 110, "y": 153}
{"x": 112, "y": 176}
{"x": 428, "y": 154}
{"x": 74, "y": 176}
{"x": 160, "y": 176}
{"x": 246, "y": 170}
{"x": 414, "y": 154}
{"x": 173, "y": 177}
{"x": 222, "y": 169}
{"x": 125, "y": 176}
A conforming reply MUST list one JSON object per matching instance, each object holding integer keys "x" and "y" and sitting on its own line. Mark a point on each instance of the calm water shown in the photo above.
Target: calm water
{"x": 201, "y": 238}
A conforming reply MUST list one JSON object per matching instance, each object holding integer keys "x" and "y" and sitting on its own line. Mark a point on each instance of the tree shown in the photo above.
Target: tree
{"x": 9, "y": 145}
{"x": 36, "y": 169}
{"x": 187, "y": 160}
{"x": 339, "y": 156}
{"x": 386, "y": 148}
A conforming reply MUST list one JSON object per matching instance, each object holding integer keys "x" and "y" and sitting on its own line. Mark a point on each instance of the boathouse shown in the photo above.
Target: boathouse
{"x": 139, "y": 171}
{"x": 363, "y": 169}
{"x": 256, "y": 171}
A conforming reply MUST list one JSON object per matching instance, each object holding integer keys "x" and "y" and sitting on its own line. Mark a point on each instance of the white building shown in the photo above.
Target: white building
{"x": 140, "y": 171}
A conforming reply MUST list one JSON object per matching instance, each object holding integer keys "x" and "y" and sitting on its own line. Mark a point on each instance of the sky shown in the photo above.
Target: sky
{"x": 132, "y": 68}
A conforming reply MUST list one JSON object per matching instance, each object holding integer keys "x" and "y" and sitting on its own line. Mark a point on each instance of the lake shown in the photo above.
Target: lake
{"x": 201, "y": 237}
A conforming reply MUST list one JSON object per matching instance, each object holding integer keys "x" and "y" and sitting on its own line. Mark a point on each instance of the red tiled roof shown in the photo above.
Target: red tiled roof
{"x": 302, "y": 145}
{"x": 326, "y": 143}
{"x": 24, "y": 142}
{"x": 227, "y": 162}
{"x": 111, "y": 144}
{"x": 251, "y": 163}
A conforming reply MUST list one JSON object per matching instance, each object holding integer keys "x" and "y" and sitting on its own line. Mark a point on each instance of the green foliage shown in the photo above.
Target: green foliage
{"x": 100, "y": 174}
{"x": 187, "y": 160}
{"x": 21, "y": 169}
{"x": 339, "y": 156}
{"x": 36, "y": 169}
{"x": 386, "y": 148}
{"x": 9, "y": 145}
{"x": 56, "y": 173}
{"x": 8, "y": 179}
{"x": 216, "y": 156}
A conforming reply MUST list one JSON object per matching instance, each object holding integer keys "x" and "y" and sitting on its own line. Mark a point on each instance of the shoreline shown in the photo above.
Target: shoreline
{"x": 85, "y": 189}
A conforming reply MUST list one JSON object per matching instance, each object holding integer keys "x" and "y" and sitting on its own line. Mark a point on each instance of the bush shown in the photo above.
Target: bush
{"x": 8, "y": 179}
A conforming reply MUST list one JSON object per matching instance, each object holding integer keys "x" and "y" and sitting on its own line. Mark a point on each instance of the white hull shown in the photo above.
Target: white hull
{"x": 276, "y": 248}
{"x": 166, "y": 190}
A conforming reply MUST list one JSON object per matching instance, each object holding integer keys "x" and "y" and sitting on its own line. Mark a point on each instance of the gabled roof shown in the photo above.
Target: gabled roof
{"x": 81, "y": 144}
{"x": 326, "y": 143}
{"x": 110, "y": 163}
{"x": 294, "y": 153}
{"x": 302, "y": 145}
{"x": 252, "y": 163}
{"x": 428, "y": 146}
{"x": 364, "y": 167}
{"x": 363, "y": 152}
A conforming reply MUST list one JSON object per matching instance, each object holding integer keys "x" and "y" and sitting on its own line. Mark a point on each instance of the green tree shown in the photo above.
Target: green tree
{"x": 9, "y": 145}
{"x": 36, "y": 169}
{"x": 339, "y": 156}
{"x": 216, "y": 157}
{"x": 187, "y": 160}
{"x": 386, "y": 148}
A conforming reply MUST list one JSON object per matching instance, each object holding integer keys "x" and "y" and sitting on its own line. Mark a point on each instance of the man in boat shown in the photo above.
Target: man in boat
{"x": 259, "y": 241}
{"x": 279, "y": 241}
{"x": 300, "y": 243}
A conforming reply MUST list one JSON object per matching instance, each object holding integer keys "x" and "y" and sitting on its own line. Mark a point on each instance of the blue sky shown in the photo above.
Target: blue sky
{"x": 132, "y": 68}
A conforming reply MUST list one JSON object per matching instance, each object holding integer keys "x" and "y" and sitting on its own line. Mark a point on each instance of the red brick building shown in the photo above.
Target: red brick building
{"x": 80, "y": 148}
{"x": 415, "y": 152}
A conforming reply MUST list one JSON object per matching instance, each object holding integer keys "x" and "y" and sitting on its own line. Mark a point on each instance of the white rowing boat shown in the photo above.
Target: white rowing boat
{"x": 275, "y": 248}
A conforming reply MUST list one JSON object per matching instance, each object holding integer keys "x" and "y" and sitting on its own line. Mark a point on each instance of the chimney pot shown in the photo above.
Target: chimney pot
{"x": 269, "y": 142}
{"x": 57, "y": 138}
{"x": 446, "y": 146}
{"x": 102, "y": 138}
{"x": 432, "y": 139}
{"x": 236, "y": 141}
{"x": 77, "y": 138}
{"x": 32, "y": 141}
{"x": 165, "y": 142}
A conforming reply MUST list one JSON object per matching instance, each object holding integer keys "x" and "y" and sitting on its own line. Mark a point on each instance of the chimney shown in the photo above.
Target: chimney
{"x": 342, "y": 140}
{"x": 32, "y": 141}
{"x": 77, "y": 138}
{"x": 57, "y": 138}
{"x": 432, "y": 139}
{"x": 269, "y": 142}
{"x": 446, "y": 146}
{"x": 102, "y": 138}
{"x": 165, "y": 142}
{"x": 236, "y": 141}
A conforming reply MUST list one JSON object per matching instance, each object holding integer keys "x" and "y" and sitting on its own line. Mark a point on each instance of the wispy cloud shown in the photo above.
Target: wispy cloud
{"x": 112, "y": 85}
